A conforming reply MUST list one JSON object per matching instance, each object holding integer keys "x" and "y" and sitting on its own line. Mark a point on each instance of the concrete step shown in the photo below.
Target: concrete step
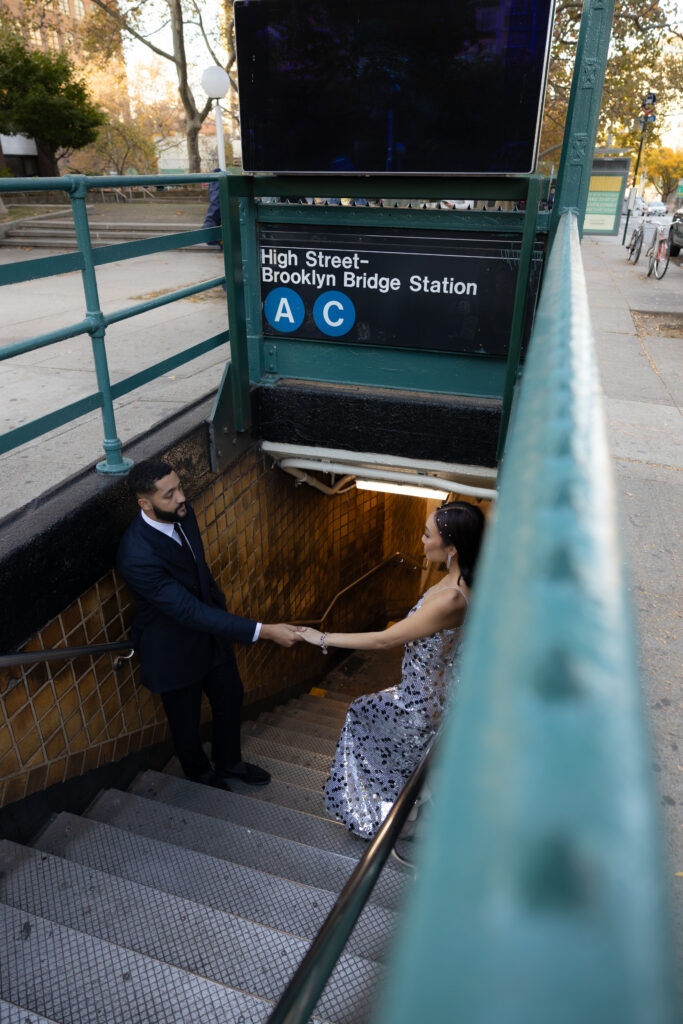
{"x": 291, "y": 738}
{"x": 282, "y": 772}
{"x": 296, "y": 908}
{"x": 284, "y": 857}
{"x": 258, "y": 748}
{"x": 302, "y": 827}
{"x": 310, "y": 726}
{"x": 11, "y": 1014}
{"x": 175, "y": 931}
{"x": 83, "y": 979}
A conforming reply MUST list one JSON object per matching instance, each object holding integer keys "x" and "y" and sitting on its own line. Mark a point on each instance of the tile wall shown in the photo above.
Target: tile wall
{"x": 279, "y": 551}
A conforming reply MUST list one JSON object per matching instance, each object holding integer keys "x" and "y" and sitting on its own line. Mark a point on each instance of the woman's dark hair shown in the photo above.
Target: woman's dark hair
{"x": 462, "y": 525}
{"x": 143, "y": 477}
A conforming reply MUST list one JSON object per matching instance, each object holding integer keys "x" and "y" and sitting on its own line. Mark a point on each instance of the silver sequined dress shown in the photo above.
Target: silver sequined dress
{"x": 386, "y": 733}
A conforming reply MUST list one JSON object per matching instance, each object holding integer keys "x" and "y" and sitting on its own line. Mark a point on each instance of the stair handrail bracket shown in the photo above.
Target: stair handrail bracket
{"x": 540, "y": 892}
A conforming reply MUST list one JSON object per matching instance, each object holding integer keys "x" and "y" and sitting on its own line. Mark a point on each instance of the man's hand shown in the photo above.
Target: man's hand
{"x": 280, "y": 633}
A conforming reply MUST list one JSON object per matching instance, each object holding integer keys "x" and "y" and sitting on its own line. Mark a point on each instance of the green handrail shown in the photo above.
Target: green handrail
{"x": 96, "y": 322}
{"x": 539, "y": 897}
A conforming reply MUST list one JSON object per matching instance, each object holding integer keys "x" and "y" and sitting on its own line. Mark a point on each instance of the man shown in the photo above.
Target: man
{"x": 182, "y": 631}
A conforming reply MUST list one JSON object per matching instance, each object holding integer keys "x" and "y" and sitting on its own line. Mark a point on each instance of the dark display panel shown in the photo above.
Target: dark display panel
{"x": 391, "y": 86}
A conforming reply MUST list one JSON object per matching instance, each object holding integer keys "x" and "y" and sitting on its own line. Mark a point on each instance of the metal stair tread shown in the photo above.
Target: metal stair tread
{"x": 286, "y": 720}
{"x": 301, "y": 826}
{"x": 255, "y": 747}
{"x": 283, "y": 794}
{"x": 295, "y": 907}
{"x": 114, "y": 984}
{"x": 10, "y": 1013}
{"x": 314, "y": 711}
{"x": 172, "y": 930}
{"x": 292, "y": 738}
{"x": 283, "y": 772}
{"x": 286, "y": 857}
{"x": 325, "y": 710}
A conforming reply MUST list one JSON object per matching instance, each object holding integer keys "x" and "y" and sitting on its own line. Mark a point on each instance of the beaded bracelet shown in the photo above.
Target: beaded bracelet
{"x": 323, "y": 638}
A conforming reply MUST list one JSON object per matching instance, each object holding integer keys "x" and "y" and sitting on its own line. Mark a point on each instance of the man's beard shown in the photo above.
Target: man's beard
{"x": 170, "y": 517}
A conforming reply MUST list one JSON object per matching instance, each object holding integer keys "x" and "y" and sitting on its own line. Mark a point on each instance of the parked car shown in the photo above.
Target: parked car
{"x": 656, "y": 209}
{"x": 676, "y": 233}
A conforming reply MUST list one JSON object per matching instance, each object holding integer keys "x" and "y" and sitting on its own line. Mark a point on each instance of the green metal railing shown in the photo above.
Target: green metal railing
{"x": 95, "y": 321}
{"x": 540, "y": 894}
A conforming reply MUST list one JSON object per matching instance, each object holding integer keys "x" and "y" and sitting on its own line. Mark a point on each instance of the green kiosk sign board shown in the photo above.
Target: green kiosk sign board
{"x": 605, "y": 195}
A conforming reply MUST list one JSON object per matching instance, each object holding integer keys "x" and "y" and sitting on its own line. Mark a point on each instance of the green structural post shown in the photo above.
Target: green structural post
{"x": 576, "y": 162}
{"x": 114, "y": 462}
{"x": 232, "y": 255}
{"x": 521, "y": 292}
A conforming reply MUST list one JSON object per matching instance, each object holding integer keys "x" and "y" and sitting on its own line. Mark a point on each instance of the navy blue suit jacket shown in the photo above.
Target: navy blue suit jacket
{"x": 181, "y": 628}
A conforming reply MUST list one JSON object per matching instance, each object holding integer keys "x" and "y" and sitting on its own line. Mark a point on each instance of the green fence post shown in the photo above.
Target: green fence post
{"x": 114, "y": 462}
{"x": 234, "y": 283}
{"x": 526, "y": 254}
{"x": 576, "y": 162}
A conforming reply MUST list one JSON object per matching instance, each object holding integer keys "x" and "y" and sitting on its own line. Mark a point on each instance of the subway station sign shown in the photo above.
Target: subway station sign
{"x": 405, "y": 289}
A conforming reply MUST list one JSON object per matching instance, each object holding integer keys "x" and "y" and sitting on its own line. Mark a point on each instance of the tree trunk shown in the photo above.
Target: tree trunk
{"x": 192, "y": 136}
{"x": 47, "y": 161}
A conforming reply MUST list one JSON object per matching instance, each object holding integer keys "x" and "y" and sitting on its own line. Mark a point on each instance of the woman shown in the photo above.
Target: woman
{"x": 386, "y": 733}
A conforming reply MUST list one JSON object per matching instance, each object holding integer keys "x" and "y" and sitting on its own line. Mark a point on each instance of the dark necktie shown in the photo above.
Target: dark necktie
{"x": 185, "y": 543}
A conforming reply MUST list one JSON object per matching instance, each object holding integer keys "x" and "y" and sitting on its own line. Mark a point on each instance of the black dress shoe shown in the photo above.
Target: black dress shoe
{"x": 245, "y": 772}
{"x": 212, "y": 779}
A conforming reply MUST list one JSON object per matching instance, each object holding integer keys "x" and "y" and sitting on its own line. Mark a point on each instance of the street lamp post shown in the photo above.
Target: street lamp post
{"x": 646, "y": 117}
{"x": 215, "y": 83}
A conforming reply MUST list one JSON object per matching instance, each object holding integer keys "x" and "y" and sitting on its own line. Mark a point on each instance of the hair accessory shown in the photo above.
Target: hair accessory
{"x": 323, "y": 638}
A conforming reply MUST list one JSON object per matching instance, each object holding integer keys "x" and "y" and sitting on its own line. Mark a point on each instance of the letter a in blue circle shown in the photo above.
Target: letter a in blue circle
{"x": 284, "y": 309}
{"x": 334, "y": 313}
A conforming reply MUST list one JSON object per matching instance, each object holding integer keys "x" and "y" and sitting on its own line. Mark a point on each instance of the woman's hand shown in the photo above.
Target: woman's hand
{"x": 311, "y": 636}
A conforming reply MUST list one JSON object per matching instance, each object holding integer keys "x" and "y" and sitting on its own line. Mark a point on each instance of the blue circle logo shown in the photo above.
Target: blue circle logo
{"x": 284, "y": 310}
{"x": 334, "y": 313}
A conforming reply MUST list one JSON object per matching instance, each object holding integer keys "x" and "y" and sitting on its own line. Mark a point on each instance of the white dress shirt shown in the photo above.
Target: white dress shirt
{"x": 169, "y": 530}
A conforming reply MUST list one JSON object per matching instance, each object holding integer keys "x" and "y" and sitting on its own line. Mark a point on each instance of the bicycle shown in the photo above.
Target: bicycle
{"x": 636, "y": 244}
{"x": 658, "y": 254}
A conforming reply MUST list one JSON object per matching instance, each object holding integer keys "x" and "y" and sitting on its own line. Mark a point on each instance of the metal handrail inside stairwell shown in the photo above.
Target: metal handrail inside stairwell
{"x": 304, "y": 990}
{"x": 66, "y": 653}
{"x": 413, "y": 562}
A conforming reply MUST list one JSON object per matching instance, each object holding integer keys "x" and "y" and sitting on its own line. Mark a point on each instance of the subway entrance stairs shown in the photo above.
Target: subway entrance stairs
{"x": 174, "y": 902}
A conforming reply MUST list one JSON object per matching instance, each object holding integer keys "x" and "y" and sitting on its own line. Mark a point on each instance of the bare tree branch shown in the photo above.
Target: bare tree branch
{"x": 123, "y": 22}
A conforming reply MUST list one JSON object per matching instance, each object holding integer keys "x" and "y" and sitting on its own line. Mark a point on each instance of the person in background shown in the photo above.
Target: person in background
{"x": 385, "y": 734}
{"x": 182, "y": 632}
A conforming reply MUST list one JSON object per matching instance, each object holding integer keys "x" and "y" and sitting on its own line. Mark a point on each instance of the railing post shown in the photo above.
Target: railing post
{"x": 234, "y": 284}
{"x": 576, "y": 162}
{"x": 526, "y": 254}
{"x": 114, "y": 461}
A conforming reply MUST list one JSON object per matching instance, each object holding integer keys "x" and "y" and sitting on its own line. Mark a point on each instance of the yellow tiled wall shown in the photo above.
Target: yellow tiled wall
{"x": 280, "y": 552}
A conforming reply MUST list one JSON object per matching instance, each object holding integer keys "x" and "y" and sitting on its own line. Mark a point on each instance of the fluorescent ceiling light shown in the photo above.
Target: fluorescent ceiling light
{"x": 409, "y": 490}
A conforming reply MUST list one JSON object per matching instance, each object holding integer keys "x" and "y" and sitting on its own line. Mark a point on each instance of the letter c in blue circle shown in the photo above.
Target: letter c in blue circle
{"x": 334, "y": 313}
{"x": 284, "y": 310}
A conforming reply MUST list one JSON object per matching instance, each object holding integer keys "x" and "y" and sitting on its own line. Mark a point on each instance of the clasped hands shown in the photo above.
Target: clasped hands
{"x": 285, "y": 635}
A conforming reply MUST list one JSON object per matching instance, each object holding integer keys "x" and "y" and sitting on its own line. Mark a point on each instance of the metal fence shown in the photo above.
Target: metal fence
{"x": 95, "y": 322}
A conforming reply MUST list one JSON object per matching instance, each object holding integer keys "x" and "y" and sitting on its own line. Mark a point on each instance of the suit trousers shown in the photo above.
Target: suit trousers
{"x": 223, "y": 688}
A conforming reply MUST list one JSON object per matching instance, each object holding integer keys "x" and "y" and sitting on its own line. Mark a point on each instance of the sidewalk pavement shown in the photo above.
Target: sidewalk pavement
{"x": 35, "y": 383}
{"x": 638, "y": 324}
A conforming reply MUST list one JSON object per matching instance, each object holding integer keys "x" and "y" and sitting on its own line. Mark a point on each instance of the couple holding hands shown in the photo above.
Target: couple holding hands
{"x": 183, "y": 635}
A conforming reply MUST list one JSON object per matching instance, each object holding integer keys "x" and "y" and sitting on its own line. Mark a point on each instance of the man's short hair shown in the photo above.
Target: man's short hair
{"x": 143, "y": 477}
